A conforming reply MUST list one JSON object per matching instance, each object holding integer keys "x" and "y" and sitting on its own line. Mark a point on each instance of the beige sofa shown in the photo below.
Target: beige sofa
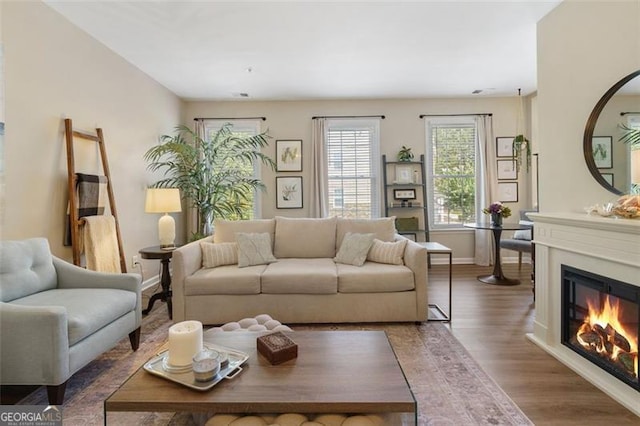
{"x": 304, "y": 284}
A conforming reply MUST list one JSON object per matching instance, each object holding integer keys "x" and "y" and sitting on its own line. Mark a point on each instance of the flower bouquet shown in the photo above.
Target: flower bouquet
{"x": 497, "y": 211}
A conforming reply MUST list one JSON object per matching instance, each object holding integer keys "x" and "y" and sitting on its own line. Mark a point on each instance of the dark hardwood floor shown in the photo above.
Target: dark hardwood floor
{"x": 491, "y": 322}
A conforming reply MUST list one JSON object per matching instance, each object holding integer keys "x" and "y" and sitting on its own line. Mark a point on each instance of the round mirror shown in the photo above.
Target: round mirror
{"x": 612, "y": 162}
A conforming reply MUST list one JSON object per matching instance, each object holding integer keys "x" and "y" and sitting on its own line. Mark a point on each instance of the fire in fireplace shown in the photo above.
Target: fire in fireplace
{"x": 601, "y": 321}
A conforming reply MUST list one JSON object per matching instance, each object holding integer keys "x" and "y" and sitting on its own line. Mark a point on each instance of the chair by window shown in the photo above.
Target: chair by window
{"x": 521, "y": 241}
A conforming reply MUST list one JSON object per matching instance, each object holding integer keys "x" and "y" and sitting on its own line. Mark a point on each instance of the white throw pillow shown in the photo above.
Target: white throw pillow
{"x": 214, "y": 255}
{"x": 523, "y": 234}
{"x": 386, "y": 252}
{"x": 254, "y": 249}
{"x": 354, "y": 249}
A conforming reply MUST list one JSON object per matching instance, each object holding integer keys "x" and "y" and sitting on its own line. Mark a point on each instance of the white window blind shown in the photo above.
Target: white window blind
{"x": 352, "y": 148}
{"x": 451, "y": 171}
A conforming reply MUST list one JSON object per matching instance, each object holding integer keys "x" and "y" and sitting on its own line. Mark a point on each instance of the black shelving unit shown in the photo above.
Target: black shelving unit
{"x": 393, "y": 207}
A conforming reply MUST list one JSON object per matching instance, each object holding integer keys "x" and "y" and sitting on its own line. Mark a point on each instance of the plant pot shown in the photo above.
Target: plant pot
{"x": 496, "y": 219}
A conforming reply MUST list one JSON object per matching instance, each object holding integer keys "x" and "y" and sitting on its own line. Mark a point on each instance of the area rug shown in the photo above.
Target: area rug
{"x": 449, "y": 386}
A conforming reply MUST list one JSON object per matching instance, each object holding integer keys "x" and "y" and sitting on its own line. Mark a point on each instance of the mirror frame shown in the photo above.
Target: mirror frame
{"x": 590, "y": 127}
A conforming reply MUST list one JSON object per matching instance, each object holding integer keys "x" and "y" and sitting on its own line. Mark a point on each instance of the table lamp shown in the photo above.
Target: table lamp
{"x": 164, "y": 200}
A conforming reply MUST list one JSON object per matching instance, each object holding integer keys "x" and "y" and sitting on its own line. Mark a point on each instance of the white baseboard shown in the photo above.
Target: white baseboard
{"x": 151, "y": 282}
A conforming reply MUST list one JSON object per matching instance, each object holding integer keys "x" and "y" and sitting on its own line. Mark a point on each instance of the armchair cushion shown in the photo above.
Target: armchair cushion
{"x": 87, "y": 310}
{"x": 25, "y": 267}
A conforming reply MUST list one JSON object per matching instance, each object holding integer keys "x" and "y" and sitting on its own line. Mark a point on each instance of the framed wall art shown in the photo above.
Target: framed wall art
{"x": 289, "y": 155}
{"x": 504, "y": 146}
{"x": 508, "y": 192}
{"x": 602, "y": 152}
{"x": 404, "y": 194}
{"x": 404, "y": 174}
{"x": 289, "y": 192}
{"x": 507, "y": 170}
{"x": 608, "y": 177}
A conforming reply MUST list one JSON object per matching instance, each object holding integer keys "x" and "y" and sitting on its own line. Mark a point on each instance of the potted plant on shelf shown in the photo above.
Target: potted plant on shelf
{"x": 405, "y": 154}
{"x": 211, "y": 174}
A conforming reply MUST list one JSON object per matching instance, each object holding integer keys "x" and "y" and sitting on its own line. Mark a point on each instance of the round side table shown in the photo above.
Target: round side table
{"x": 164, "y": 256}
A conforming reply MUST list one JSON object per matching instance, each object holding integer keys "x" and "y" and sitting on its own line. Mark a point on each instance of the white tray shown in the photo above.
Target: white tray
{"x": 236, "y": 359}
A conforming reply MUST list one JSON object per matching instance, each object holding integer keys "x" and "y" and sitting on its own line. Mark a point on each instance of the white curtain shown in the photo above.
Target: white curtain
{"x": 487, "y": 194}
{"x": 319, "y": 203}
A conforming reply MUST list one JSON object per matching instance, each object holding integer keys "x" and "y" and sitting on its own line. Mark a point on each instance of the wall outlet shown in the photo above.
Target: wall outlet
{"x": 135, "y": 261}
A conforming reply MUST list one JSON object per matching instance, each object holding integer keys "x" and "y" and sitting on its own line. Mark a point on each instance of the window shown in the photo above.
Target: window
{"x": 352, "y": 149}
{"x": 241, "y": 128}
{"x": 451, "y": 171}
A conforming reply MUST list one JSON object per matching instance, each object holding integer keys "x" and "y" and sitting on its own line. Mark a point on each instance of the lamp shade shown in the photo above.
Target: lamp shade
{"x": 162, "y": 200}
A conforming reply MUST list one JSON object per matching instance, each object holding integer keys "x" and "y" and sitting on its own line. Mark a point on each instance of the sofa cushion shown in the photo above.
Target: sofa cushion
{"x": 386, "y": 252}
{"x": 374, "y": 278}
{"x": 224, "y": 280}
{"x": 383, "y": 228}
{"x": 301, "y": 276}
{"x": 354, "y": 249}
{"x": 220, "y": 254}
{"x": 88, "y": 310}
{"x": 254, "y": 249}
{"x": 305, "y": 238}
{"x": 225, "y": 230}
{"x": 26, "y": 267}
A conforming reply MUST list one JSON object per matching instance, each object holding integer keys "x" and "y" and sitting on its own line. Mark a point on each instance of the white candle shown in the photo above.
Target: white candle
{"x": 185, "y": 340}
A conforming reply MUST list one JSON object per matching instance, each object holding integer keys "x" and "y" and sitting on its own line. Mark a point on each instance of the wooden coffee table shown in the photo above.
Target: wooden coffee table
{"x": 335, "y": 372}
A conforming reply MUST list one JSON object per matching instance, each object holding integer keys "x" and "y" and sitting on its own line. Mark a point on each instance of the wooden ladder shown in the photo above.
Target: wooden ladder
{"x": 76, "y": 222}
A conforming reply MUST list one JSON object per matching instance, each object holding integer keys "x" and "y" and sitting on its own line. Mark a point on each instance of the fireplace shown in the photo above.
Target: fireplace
{"x": 600, "y": 320}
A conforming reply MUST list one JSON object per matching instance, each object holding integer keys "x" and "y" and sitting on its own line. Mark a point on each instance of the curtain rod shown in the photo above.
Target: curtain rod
{"x": 629, "y": 112}
{"x": 230, "y": 118}
{"x": 455, "y": 115}
{"x": 348, "y": 116}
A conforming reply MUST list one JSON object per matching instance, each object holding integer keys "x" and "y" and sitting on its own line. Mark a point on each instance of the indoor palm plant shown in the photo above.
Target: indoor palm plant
{"x": 211, "y": 174}
{"x": 630, "y": 136}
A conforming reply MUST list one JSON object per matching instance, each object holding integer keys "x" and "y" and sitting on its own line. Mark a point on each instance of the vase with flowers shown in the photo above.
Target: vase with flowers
{"x": 498, "y": 211}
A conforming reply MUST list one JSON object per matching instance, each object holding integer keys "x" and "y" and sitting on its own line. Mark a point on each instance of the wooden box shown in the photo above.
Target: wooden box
{"x": 277, "y": 347}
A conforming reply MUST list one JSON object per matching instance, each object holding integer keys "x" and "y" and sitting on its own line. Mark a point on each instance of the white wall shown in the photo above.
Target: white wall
{"x": 583, "y": 49}
{"x": 402, "y": 126}
{"x": 53, "y": 71}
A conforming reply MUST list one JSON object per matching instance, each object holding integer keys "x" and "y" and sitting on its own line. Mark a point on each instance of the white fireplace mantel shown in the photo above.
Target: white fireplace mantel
{"x": 604, "y": 246}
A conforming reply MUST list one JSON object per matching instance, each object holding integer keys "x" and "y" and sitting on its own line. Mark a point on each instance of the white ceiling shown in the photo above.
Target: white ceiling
{"x": 292, "y": 50}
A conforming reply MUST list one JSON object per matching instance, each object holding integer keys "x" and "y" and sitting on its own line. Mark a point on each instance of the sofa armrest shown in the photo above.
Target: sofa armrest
{"x": 415, "y": 258}
{"x": 186, "y": 261}
{"x": 72, "y": 276}
{"x": 34, "y": 344}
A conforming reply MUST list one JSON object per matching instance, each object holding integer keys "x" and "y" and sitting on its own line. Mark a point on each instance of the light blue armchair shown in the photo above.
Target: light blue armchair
{"x": 55, "y": 317}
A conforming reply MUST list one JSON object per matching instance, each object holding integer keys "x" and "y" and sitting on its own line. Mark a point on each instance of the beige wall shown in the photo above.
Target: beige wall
{"x": 575, "y": 68}
{"x": 402, "y": 126}
{"x": 53, "y": 71}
